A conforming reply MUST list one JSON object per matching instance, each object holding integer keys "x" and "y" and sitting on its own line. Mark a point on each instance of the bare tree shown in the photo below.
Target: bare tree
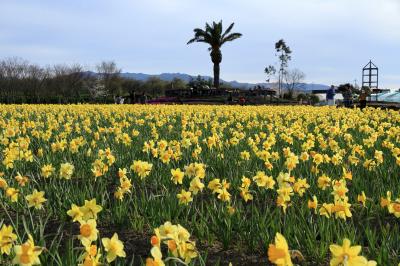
{"x": 25, "y": 82}
{"x": 15, "y": 77}
{"x": 67, "y": 80}
{"x": 110, "y": 76}
{"x": 294, "y": 79}
{"x": 36, "y": 82}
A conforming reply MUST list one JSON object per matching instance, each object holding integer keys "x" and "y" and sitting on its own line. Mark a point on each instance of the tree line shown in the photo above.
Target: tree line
{"x": 24, "y": 82}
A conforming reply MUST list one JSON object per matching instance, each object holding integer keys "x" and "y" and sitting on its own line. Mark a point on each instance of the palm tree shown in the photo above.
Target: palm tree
{"x": 215, "y": 37}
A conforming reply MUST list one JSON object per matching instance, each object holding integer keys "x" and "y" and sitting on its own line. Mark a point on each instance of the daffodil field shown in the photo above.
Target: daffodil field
{"x": 199, "y": 185}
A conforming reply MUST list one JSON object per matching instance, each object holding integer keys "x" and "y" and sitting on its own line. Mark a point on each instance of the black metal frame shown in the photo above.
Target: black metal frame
{"x": 370, "y": 76}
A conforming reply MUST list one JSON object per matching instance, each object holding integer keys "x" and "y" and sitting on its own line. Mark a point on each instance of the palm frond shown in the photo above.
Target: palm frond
{"x": 228, "y": 30}
{"x": 192, "y": 41}
{"x": 214, "y": 35}
{"x": 208, "y": 28}
{"x": 215, "y": 25}
{"x": 231, "y": 37}
{"x": 219, "y": 28}
{"x": 199, "y": 36}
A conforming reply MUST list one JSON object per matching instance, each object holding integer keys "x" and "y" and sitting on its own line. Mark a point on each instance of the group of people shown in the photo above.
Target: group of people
{"x": 132, "y": 98}
{"x": 347, "y": 94}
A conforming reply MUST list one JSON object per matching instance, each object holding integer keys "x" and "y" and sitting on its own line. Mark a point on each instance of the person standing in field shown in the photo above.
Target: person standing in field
{"x": 363, "y": 98}
{"x": 347, "y": 97}
{"x": 330, "y": 96}
{"x": 242, "y": 100}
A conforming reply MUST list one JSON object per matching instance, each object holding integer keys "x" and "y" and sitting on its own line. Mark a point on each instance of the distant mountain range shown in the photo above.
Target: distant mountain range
{"x": 234, "y": 84}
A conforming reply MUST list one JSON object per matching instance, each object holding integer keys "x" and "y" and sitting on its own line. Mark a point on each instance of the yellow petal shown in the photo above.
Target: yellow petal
{"x": 354, "y": 251}
{"x": 336, "y": 250}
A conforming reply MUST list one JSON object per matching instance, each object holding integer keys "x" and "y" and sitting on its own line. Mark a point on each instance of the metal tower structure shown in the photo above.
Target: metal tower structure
{"x": 370, "y": 76}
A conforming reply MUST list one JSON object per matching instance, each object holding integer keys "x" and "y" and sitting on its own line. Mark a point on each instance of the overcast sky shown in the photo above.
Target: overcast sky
{"x": 331, "y": 40}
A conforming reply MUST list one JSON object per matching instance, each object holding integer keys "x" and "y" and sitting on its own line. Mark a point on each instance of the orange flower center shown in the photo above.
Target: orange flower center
{"x": 341, "y": 192}
{"x": 339, "y": 208}
{"x": 384, "y": 202}
{"x": 396, "y": 207}
{"x": 312, "y": 205}
{"x": 3, "y": 184}
{"x": 171, "y": 245}
{"x": 275, "y": 253}
{"x": 25, "y": 248}
{"x": 154, "y": 240}
{"x": 85, "y": 230}
{"x": 88, "y": 262}
{"x": 93, "y": 250}
{"x": 24, "y": 259}
{"x": 150, "y": 262}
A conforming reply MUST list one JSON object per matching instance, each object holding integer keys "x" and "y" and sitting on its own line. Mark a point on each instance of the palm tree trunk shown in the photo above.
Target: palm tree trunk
{"x": 216, "y": 58}
{"x": 216, "y": 75}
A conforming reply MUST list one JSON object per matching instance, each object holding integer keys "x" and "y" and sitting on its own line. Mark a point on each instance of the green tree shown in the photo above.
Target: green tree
{"x": 155, "y": 86}
{"x": 215, "y": 37}
{"x": 131, "y": 86}
{"x": 199, "y": 83}
{"x": 177, "y": 84}
{"x": 270, "y": 71}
